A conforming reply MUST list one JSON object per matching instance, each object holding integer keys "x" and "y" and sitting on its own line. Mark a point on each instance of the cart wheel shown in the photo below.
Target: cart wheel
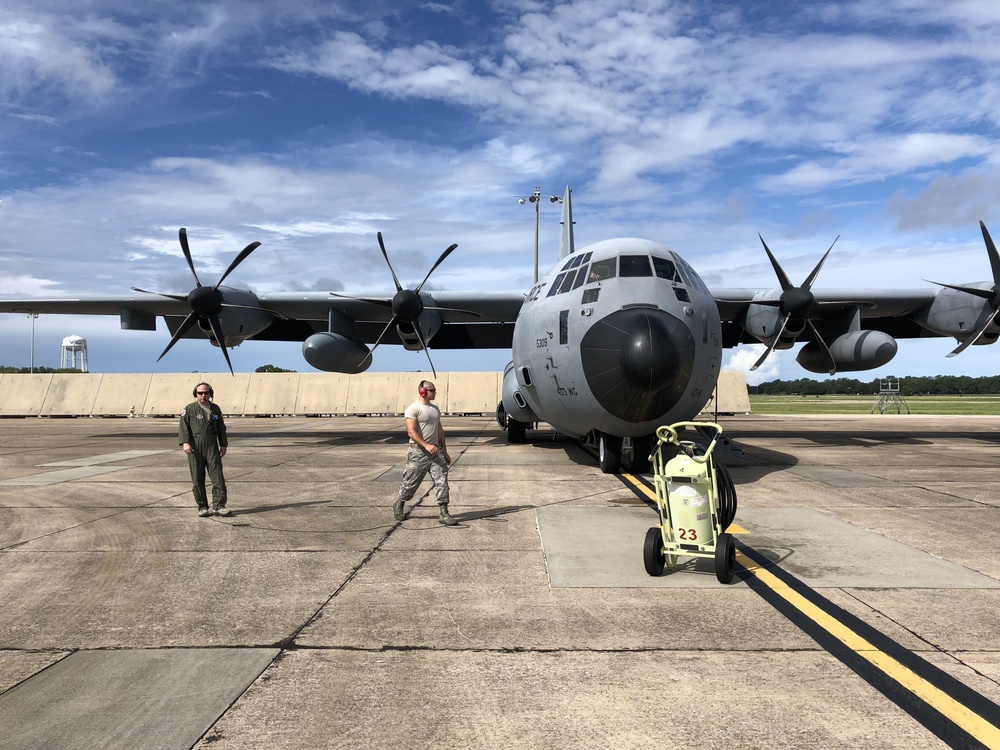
{"x": 725, "y": 558}
{"x": 652, "y": 552}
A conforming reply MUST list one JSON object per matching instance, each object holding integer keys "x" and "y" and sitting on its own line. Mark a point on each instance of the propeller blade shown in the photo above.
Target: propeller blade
{"x": 178, "y": 297}
{"x": 275, "y": 313}
{"x": 393, "y": 322}
{"x": 381, "y": 244}
{"x": 991, "y": 250}
{"x": 778, "y": 270}
{"x": 184, "y": 328}
{"x": 183, "y": 234}
{"x": 416, "y": 328}
{"x": 985, "y": 319}
{"x": 770, "y": 347}
{"x": 382, "y": 302}
{"x": 217, "y": 330}
{"x": 981, "y": 293}
{"x": 440, "y": 260}
{"x": 237, "y": 260}
{"x": 830, "y": 361}
{"x": 807, "y": 284}
{"x": 457, "y": 310}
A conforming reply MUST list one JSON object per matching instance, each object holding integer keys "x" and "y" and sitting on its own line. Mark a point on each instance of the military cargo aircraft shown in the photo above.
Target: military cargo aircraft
{"x": 619, "y": 338}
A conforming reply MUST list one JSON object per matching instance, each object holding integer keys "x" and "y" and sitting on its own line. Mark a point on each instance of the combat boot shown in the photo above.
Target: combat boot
{"x": 398, "y": 510}
{"x": 445, "y": 518}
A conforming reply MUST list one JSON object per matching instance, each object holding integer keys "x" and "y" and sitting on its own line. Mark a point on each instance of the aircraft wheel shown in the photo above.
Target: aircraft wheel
{"x": 641, "y": 447}
{"x": 609, "y": 452}
{"x": 652, "y": 552}
{"x": 516, "y": 431}
{"x": 725, "y": 558}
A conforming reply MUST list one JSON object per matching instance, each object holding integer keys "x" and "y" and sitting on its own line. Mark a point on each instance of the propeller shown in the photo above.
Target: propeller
{"x": 992, "y": 296}
{"x": 796, "y": 303}
{"x": 407, "y": 305}
{"x": 205, "y": 302}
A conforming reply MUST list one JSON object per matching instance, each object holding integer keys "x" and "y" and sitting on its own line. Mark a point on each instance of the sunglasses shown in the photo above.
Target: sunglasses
{"x": 203, "y": 393}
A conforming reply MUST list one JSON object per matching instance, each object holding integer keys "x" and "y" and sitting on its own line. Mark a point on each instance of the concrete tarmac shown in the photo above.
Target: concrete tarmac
{"x": 864, "y": 612}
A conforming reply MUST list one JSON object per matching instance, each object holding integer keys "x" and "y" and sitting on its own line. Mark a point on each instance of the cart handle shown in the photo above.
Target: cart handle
{"x": 668, "y": 434}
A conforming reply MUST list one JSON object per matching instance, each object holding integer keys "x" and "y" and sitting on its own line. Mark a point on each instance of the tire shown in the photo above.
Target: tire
{"x": 516, "y": 431}
{"x": 652, "y": 552}
{"x": 609, "y": 453}
{"x": 641, "y": 447}
{"x": 725, "y": 558}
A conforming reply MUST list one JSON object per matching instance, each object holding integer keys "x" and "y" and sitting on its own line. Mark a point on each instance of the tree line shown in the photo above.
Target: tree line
{"x": 954, "y": 385}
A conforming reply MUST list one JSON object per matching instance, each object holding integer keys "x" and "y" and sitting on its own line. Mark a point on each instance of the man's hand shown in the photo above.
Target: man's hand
{"x": 222, "y": 450}
{"x": 187, "y": 448}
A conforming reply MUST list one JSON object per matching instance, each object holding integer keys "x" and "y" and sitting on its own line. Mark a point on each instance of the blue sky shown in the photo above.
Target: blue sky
{"x": 309, "y": 126}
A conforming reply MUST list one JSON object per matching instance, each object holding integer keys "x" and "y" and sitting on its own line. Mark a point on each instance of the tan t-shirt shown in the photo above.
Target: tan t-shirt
{"x": 428, "y": 418}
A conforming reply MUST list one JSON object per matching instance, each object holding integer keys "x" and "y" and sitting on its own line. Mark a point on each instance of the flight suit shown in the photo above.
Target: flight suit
{"x": 204, "y": 433}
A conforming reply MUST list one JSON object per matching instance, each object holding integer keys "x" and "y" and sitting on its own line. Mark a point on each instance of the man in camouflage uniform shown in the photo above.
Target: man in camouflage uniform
{"x": 426, "y": 452}
{"x": 202, "y": 435}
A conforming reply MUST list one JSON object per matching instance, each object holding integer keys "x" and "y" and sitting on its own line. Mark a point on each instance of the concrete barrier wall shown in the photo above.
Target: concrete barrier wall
{"x": 279, "y": 393}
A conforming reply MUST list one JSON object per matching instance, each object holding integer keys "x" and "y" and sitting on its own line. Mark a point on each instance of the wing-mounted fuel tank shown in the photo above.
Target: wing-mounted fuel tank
{"x": 332, "y": 352}
{"x": 857, "y": 350}
{"x": 337, "y": 349}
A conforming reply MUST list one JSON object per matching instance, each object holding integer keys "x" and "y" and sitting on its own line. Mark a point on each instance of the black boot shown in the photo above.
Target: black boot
{"x": 445, "y": 518}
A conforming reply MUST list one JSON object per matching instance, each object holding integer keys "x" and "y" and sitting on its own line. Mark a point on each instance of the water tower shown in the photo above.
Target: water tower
{"x": 70, "y": 346}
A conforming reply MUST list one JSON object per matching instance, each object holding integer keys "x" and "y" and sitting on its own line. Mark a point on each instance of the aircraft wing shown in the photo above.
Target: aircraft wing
{"x": 469, "y": 319}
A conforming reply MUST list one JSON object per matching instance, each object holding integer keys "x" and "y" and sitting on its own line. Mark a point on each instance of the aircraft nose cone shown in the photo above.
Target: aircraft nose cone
{"x": 638, "y": 362}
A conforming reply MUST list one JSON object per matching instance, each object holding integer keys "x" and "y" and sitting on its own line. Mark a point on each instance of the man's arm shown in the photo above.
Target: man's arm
{"x": 441, "y": 442}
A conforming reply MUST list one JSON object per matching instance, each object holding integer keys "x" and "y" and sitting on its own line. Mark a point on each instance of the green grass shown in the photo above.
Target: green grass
{"x": 959, "y": 405}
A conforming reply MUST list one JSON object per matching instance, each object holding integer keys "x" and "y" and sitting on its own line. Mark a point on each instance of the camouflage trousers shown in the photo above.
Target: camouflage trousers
{"x": 418, "y": 463}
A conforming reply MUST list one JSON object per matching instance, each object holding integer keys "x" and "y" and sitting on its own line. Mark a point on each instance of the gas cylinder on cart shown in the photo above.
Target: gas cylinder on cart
{"x": 689, "y": 487}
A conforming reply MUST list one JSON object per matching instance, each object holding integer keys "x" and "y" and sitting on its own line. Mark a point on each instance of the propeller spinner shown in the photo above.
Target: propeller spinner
{"x": 205, "y": 302}
{"x": 407, "y": 305}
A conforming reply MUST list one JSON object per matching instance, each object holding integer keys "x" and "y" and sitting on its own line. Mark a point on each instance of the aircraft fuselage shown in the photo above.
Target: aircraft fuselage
{"x": 621, "y": 337}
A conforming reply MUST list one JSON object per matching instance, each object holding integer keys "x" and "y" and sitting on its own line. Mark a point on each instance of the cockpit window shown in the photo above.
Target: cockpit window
{"x": 666, "y": 269}
{"x": 555, "y": 285}
{"x": 581, "y": 277}
{"x": 601, "y": 270}
{"x": 568, "y": 282}
{"x": 634, "y": 265}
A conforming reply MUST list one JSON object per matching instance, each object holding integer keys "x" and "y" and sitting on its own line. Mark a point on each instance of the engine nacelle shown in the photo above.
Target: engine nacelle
{"x": 513, "y": 402}
{"x": 858, "y": 350}
{"x": 762, "y": 322}
{"x": 332, "y": 352}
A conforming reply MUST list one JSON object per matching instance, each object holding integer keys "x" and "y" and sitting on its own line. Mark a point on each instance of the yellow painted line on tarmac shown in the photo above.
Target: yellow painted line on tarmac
{"x": 983, "y": 730}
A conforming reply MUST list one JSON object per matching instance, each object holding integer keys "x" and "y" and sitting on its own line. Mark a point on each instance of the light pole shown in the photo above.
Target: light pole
{"x": 31, "y": 366}
{"x": 536, "y": 198}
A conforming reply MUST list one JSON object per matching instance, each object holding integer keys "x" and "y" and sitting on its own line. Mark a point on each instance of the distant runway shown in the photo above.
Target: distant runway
{"x": 863, "y": 613}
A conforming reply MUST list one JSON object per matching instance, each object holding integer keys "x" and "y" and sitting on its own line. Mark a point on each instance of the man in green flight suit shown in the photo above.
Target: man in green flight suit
{"x": 202, "y": 435}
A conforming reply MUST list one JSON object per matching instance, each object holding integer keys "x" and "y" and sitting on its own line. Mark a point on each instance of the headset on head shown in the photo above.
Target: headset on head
{"x": 422, "y": 390}
{"x": 211, "y": 391}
